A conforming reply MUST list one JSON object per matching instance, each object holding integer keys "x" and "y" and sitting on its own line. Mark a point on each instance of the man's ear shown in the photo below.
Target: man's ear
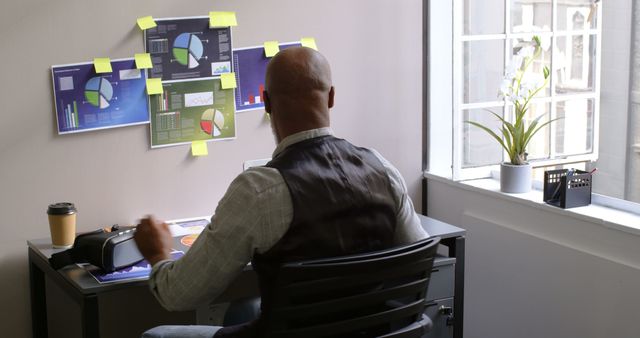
{"x": 267, "y": 102}
{"x": 332, "y": 93}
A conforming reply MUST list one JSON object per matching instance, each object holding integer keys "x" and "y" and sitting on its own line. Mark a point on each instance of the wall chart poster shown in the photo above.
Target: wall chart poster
{"x": 186, "y": 48}
{"x": 192, "y": 110}
{"x": 89, "y": 101}
{"x": 250, "y": 66}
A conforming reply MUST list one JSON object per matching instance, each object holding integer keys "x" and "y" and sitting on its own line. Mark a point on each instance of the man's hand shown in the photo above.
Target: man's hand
{"x": 154, "y": 240}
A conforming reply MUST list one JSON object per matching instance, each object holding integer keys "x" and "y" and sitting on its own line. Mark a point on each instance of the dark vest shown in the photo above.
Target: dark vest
{"x": 342, "y": 204}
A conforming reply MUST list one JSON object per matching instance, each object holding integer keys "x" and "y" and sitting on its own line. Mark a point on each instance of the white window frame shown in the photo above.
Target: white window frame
{"x": 457, "y": 172}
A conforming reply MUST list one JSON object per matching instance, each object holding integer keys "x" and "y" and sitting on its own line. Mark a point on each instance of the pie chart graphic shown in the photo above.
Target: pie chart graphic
{"x": 212, "y": 122}
{"x": 98, "y": 91}
{"x": 187, "y": 49}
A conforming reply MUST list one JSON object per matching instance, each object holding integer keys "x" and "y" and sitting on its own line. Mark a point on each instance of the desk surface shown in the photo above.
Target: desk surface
{"x": 81, "y": 280}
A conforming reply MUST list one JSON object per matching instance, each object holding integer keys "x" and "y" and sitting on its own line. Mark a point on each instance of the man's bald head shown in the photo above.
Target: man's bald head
{"x": 298, "y": 70}
{"x": 298, "y": 92}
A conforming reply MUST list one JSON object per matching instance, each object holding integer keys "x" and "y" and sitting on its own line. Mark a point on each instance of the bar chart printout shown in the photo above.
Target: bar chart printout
{"x": 250, "y": 65}
{"x": 89, "y": 101}
{"x": 192, "y": 110}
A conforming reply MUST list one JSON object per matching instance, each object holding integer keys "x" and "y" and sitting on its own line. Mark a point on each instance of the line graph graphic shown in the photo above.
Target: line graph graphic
{"x": 198, "y": 99}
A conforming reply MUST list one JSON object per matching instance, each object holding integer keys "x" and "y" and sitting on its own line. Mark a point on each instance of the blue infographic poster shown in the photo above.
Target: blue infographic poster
{"x": 186, "y": 48}
{"x": 250, "y": 66}
{"x": 89, "y": 101}
{"x": 140, "y": 270}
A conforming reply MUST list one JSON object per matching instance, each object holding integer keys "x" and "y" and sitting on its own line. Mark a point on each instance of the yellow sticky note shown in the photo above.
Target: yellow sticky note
{"x": 228, "y": 80}
{"x": 146, "y": 22}
{"x": 309, "y": 42}
{"x": 143, "y": 60}
{"x": 154, "y": 86}
{"x": 222, "y": 19}
{"x": 199, "y": 148}
{"x": 271, "y": 48}
{"x": 102, "y": 65}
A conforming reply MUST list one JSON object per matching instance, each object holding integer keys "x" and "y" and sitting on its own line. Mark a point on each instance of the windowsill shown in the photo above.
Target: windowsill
{"x": 609, "y": 217}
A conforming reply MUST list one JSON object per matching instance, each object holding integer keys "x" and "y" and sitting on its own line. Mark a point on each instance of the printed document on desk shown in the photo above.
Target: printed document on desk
{"x": 137, "y": 271}
{"x": 188, "y": 226}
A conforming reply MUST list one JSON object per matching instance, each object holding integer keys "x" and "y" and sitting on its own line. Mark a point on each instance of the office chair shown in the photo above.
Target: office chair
{"x": 378, "y": 294}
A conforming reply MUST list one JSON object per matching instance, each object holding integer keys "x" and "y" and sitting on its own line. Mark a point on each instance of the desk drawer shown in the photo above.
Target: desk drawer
{"x": 441, "y": 327}
{"x": 442, "y": 278}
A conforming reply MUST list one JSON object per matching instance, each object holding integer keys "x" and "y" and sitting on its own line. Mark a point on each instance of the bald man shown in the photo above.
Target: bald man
{"x": 320, "y": 196}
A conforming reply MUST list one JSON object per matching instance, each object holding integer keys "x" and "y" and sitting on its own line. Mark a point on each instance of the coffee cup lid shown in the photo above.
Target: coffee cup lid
{"x": 61, "y": 208}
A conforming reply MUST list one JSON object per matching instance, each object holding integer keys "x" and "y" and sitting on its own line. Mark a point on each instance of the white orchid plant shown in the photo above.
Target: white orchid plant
{"x": 519, "y": 87}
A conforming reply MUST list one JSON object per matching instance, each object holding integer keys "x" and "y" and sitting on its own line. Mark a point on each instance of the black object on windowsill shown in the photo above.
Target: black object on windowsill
{"x": 567, "y": 188}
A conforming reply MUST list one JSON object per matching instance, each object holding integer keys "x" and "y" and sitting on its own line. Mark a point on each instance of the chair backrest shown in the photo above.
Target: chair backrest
{"x": 377, "y": 294}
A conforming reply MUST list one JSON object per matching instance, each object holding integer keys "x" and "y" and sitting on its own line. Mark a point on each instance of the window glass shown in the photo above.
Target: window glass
{"x": 479, "y": 147}
{"x": 574, "y": 63}
{"x": 576, "y": 15}
{"x": 483, "y": 69}
{"x": 484, "y": 17}
{"x": 530, "y": 16}
{"x": 485, "y": 49}
{"x": 574, "y": 129}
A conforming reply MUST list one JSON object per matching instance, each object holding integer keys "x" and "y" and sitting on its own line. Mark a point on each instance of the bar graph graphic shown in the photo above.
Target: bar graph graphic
{"x": 250, "y": 65}
{"x": 71, "y": 115}
{"x": 162, "y": 101}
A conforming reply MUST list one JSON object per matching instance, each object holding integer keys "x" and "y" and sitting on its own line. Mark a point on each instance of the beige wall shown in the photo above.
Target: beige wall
{"x": 374, "y": 47}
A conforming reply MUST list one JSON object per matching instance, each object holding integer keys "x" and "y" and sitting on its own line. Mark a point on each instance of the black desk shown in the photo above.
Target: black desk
{"x": 82, "y": 289}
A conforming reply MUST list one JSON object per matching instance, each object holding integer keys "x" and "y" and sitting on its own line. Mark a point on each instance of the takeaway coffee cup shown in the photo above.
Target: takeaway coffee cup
{"x": 62, "y": 223}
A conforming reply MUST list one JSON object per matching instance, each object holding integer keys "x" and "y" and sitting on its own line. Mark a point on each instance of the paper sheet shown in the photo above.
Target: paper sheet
{"x": 154, "y": 86}
{"x": 102, "y": 65}
{"x": 222, "y": 19}
{"x": 146, "y": 22}
{"x": 228, "y": 80}
{"x": 271, "y": 48}
{"x": 143, "y": 60}
{"x": 309, "y": 42}
{"x": 199, "y": 148}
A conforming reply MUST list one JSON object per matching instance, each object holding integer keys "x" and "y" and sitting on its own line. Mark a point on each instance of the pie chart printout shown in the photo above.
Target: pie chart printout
{"x": 98, "y": 92}
{"x": 188, "y": 49}
{"x": 212, "y": 122}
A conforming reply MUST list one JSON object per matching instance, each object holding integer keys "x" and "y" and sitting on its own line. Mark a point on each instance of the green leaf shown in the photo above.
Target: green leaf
{"x": 507, "y": 140}
{"x": 490, "y": 132}
{"x": 537, "y": 40}
{"x": 545, "y": 71}
{"x": 532, "y": 127}
{"x": 538, "y": 129}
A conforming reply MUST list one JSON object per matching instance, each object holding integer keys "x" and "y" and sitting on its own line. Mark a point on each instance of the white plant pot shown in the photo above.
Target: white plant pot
{"x": 515, "y": 179}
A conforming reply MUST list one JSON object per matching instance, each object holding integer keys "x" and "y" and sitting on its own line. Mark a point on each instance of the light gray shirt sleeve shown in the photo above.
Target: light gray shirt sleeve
{"x": 254, "y": 213}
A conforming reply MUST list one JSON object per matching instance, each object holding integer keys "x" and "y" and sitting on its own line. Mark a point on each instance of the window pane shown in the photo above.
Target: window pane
{"x": 483, "y": 17}
{"x": 483, "y": 68}
{"x": 576, "y": 15}
{"x": 575, "y": 62}
{"x": 574, "y": 129}
{"x": 537, "y": 66}
{"x": 479, "y": 147}
{"x": 530, "y": 16}
{"x": 538, "y": 147}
